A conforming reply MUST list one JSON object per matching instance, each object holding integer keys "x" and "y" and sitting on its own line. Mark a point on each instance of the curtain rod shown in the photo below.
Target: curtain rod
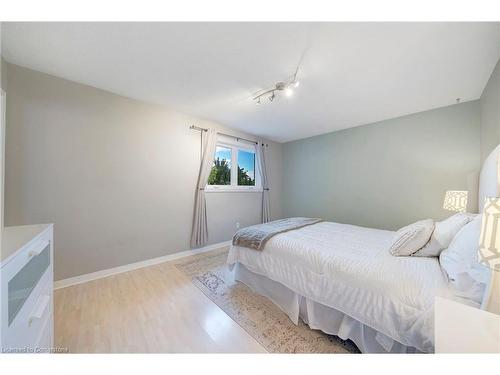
{"x": 193, "y": 127}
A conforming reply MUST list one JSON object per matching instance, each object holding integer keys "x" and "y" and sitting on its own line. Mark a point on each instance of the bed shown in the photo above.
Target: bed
{"x": 342, "y": 280}
{"x": 343, "y": 271}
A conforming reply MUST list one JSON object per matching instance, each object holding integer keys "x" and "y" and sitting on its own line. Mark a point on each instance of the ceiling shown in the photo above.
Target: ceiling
{"x": 350, "y": 73}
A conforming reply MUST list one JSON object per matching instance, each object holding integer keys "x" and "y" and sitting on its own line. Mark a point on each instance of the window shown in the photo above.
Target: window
{"x": 234, "y": 167}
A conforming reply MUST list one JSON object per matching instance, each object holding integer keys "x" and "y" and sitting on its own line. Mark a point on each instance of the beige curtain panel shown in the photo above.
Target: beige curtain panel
{"x": 266, "y": 204}
{"x": 199, "y": 233}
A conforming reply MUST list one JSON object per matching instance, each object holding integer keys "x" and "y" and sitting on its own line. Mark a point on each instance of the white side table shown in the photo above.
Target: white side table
{"x": 461, "y": 328}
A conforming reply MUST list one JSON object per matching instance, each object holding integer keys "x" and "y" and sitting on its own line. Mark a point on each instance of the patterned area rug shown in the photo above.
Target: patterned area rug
{"x": 262, "y": 319}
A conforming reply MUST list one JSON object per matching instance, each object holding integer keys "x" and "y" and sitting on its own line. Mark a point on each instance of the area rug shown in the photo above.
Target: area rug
{"x": 263, "y": 320}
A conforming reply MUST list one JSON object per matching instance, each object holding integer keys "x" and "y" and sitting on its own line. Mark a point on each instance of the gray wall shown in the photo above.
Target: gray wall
{"x": 1, "y": 59}
{"x": 115, "y": 175}
{"x": 490, "y": 114}
{"x": 3, "y": 74}
{"x": 387, "y": 174}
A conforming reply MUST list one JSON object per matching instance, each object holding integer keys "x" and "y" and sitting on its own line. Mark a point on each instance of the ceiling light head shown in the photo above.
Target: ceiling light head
{"x": 281, "y": 86}
{"x": 286, "y": 86}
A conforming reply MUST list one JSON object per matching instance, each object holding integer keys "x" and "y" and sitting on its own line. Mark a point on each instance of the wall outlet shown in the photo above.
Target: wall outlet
{"x": 238, "y": 225}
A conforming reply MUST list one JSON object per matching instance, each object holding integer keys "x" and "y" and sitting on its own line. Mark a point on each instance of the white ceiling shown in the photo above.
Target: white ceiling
{"x": 350, "y": 73}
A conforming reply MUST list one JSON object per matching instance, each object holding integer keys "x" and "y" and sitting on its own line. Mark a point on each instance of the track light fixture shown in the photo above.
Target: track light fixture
{"x": 287, "y": 87}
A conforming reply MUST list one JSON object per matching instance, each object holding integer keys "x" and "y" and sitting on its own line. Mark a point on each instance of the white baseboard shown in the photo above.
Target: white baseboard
{"x": 133, "y": 266}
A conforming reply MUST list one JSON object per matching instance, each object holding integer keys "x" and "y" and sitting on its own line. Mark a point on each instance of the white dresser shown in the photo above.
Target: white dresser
{"x": 26, "y": 290}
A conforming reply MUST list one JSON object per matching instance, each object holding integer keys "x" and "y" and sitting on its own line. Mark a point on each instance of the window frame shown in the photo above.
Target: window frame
{"x": 234, "y": 145}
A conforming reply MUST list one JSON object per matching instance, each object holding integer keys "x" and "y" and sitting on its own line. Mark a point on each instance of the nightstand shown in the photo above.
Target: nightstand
{"x": 460, "y": 328}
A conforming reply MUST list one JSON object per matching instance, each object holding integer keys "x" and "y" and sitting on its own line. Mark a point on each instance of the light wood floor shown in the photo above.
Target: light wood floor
{"x": 153, "y": 309}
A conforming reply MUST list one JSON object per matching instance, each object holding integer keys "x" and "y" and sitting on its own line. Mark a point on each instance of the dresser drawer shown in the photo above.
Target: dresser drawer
{"x": 27, "y": 290}
{"x": 22, "y": 284}
{"x": 27, "y": 328}
{"x": 45, "y": 342}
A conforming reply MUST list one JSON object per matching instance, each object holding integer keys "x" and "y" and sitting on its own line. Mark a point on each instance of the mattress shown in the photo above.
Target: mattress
{"x": 349, "y": 268}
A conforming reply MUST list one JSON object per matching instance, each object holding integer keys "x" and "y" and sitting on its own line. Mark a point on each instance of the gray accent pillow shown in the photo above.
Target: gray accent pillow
{"x": 412, "y": 238}
{"x": 443, "y": 234}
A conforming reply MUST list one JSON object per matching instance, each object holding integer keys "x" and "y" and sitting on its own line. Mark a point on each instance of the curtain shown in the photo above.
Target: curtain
{"x": 266, "y": 204}
{"x": 199, "y": 232}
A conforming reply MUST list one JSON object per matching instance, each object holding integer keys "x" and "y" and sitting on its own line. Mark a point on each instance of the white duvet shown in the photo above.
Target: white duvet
{"x": 349, "y": 268}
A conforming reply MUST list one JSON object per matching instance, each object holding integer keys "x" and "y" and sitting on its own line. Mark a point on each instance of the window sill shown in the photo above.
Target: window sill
{"x": 233, "y": 190}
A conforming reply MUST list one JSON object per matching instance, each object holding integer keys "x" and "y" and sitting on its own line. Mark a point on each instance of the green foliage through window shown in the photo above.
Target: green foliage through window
{"x": 244, "y": 178}
{"x": 220, "y": 173}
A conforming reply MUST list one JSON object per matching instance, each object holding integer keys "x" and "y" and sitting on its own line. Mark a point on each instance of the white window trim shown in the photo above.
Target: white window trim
{"x": 235, "y": 145}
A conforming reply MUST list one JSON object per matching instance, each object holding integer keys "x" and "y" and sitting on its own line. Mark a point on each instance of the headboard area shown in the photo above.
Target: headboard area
{"x": 488, "y": 179}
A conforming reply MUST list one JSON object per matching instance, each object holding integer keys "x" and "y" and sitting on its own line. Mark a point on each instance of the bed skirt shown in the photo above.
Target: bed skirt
{"x": 318, "y": 316}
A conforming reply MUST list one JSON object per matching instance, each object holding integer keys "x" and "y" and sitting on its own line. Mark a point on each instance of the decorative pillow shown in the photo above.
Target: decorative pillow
{"x": 411, "y": 238}
{"x": 459, "y": 261}
{"x": 443, "y": 234}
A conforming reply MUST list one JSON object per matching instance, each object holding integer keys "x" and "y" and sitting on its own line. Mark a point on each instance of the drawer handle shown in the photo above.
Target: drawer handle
{"x": 41, "y": 306}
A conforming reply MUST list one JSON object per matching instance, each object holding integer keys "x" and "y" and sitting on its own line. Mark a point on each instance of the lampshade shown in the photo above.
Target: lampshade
{"x": 455, "y": 200}
{"x": 489, "y": 241}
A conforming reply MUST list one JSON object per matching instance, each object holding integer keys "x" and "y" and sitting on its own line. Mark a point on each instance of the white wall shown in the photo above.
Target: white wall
{"x": 115, "y": 175}
{"x": 2, "y": 135}
{"x": 490, "y": 114}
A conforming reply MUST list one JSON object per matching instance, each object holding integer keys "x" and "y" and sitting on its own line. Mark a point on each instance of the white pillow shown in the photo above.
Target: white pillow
{"x": 411, "y": 238}
{"x": 443, "y": 234}
{"x": 467, "y": 276}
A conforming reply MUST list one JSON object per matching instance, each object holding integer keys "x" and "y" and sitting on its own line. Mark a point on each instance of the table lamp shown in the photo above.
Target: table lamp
{"x": 489, "y": 252}
{"x": 455, "y": 200}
